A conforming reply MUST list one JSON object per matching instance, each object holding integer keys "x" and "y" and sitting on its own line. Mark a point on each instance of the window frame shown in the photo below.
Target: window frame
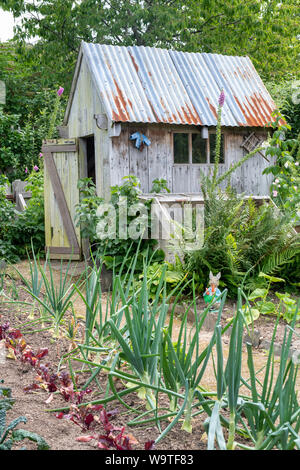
{"x": 190, "y": 148}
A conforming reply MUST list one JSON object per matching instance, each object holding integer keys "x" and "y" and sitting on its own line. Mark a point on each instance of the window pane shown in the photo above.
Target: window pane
{"x": 212, "y": 148}
{"x": 181, "y": 148}
{"x": 199, "y": 149}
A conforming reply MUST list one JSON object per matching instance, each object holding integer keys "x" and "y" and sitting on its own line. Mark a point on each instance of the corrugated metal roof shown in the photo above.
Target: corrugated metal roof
{"x": 146, "y": 84}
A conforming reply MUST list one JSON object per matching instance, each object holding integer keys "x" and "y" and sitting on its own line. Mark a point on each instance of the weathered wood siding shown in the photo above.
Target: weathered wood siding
{"x": 156, "y": 161}
{"x": 81, "y": 123}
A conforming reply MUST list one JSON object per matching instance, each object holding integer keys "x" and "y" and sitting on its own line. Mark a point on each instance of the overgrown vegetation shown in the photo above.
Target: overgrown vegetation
{"x": 241, "y": 240}
{"x": 99, "y": 221}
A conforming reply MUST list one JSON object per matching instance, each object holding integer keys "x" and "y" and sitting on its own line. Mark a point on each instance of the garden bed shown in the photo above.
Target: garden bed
{"x": 63, "y": 434}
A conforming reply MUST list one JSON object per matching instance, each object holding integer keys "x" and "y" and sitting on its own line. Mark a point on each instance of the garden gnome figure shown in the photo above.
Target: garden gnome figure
{"x": 212, "y": 293}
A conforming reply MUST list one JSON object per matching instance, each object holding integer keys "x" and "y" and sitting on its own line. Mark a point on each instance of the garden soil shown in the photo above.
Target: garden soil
{"x": 62, "y": 434}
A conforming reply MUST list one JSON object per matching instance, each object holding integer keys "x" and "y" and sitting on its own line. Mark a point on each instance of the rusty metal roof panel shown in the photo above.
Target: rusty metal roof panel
{"x": 163, "y": 86}
{"x": 203, "y": 88}
{"x": 117, "y": 82}
{"x": 244, "y": 89}
{"x": 148, "y": 85}
{"x": 139, "y": 84}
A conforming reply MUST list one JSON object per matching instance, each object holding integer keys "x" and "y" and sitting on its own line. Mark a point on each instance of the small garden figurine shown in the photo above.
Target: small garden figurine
{"x": 212, "y": 293}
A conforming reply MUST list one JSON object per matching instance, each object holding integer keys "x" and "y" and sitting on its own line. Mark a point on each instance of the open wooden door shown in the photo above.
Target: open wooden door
{"x": 61, "y": 166}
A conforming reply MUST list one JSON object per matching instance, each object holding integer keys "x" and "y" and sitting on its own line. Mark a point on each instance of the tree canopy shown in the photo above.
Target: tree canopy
{"x": 267, "y": 31}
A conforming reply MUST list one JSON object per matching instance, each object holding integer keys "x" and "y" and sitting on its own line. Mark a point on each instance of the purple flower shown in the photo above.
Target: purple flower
{"x": 26, "y": 170}
{"x": 41, "y": 155}
{"x": 275, "y": 193}
{"x": 222, "y": 99}
{"x": 60, "y": 91}
{"x": 36, "y": 168}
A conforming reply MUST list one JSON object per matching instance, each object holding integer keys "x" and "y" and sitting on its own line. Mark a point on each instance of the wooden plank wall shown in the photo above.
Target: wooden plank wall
{"x": 156, "y": 161}
{"x": 81, "y": 123}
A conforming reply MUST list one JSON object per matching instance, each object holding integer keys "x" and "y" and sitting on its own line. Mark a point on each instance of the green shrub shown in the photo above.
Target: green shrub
{"x": 112, "y": 246}
{"x": 284, "y": 153}
{"x": 241, "y": 239}
{"x": 21, "y": 230}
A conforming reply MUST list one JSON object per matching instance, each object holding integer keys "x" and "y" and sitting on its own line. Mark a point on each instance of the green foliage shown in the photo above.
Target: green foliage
{"x": 30, "y": 90}
{"x": 20, "y": 230}
{"x": 286, "y": 308}
{"x": 9, "y": 435}
{"x": 174, "y": 274}
{"x": 134, "y": 340}
{"x": 268, "y": 414}
{"x": 241, "y": 240}
{"x": 286, "y": 96}
{"x": 31, "y": 113}
{"x": 100, "y": 220}
{"x": 58, "y": 296}
{"x": 19, "y": 146}
{"x": 285, "y": 163}
{"x": 159, "y": 185}
{"x": 258, "y": 29}
{"x": 86, "y": 210}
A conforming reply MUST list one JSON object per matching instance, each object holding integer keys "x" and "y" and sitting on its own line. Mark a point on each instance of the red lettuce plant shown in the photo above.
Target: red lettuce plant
{"x": 113, "y": 436}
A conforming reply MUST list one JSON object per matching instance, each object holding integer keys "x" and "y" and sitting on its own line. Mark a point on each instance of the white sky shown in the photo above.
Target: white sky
{"x": 6, "y": 25}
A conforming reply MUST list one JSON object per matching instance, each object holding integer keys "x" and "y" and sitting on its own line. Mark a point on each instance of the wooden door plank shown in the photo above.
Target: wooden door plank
{"x": 60, "y": 198}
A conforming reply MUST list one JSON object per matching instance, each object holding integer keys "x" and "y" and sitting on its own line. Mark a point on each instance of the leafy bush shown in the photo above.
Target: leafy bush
{"x": 19, "y": 145}
{"x": 19, "y": 231}
{"x": 92, "y": 215}
{"x": 286, "y": 97}
{"x": 241, "y": 240}
{"x": 285, "y": 153}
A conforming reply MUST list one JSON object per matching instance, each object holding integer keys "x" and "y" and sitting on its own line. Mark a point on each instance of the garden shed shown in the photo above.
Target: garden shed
{"x": 152, "y": 113}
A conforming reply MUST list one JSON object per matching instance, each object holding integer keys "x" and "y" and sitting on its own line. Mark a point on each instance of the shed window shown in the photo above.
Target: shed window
{"x": 191, "y": 148}
{"x": 181, "y": 148}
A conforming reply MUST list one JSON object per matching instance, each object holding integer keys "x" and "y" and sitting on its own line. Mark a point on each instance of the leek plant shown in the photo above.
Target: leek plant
{"x": 273, "y": 412}
{"x": 140, "y": 340}
{"x": 58, "y": 298}
{"x": 269, "y": 416}
{"x": 183, "y": 359}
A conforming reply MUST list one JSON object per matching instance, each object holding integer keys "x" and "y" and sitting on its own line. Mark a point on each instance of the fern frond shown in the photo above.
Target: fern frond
{"x": 276, "y": 260}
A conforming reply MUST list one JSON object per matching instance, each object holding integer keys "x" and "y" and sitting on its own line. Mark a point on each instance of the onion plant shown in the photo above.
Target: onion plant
{"x": 140, "y": 340}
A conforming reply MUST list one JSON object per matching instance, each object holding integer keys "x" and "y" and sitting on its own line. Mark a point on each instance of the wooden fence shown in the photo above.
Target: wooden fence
{"x": 16, "y": 193}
